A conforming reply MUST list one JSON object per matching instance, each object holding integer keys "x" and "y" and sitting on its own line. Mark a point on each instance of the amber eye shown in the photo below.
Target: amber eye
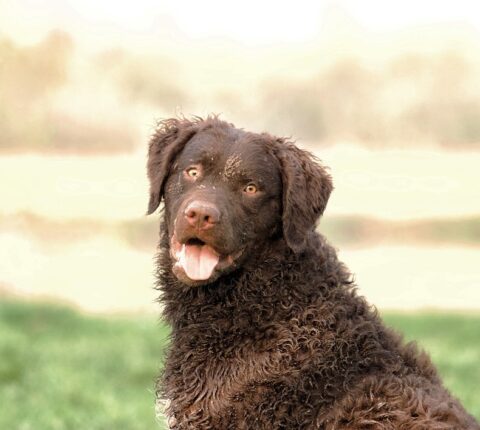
{"x": 192, "y": 172}
{"x": 250, "y": 189}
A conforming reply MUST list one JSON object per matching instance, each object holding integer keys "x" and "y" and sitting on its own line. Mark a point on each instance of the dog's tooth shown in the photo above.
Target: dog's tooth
{"x": 180, "y": 252}
{"x": 181, "y": 256}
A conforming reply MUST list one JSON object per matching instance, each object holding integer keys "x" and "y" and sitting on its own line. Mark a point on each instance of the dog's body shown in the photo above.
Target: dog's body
{"x": 267, "y": 330}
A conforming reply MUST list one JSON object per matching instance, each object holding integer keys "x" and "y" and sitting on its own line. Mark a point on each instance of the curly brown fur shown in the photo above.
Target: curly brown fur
{"x": 281, "y": 340}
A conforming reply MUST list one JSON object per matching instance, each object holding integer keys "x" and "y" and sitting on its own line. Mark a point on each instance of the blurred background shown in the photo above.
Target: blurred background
{"x": 385, "y": 93}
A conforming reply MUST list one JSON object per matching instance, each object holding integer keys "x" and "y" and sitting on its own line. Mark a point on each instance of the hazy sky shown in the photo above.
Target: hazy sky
{"x": 249, "y": 21}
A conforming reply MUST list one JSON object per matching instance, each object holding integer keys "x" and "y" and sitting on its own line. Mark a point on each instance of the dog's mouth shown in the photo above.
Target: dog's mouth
{"x": 199, "y": 261}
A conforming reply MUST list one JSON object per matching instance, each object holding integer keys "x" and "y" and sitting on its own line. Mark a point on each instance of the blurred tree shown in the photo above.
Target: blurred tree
{"x": 30, "y": 118}
{"x": 28, "y": 73}
{"x": 150, "y": 80}
{"x": 290, "y": 108}
{"x": 445, "y": 108}
{"x": 414, "y": 100}
{"x": 338, "y": 102}
{"x": 29, "y": 77}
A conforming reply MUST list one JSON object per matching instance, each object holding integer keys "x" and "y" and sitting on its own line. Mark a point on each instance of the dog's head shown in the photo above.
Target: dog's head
{"x": 228, "y": 192}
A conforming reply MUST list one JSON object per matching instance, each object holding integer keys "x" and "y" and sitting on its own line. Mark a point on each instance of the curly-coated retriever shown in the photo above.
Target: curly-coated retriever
{"x": 268, "y": 331}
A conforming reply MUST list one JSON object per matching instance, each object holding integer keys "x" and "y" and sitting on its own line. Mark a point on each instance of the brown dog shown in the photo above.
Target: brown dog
{"x": 267, "y": 329}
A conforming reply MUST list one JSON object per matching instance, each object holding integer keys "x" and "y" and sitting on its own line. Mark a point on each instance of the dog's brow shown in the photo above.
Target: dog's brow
{"x": 232, "y": 166}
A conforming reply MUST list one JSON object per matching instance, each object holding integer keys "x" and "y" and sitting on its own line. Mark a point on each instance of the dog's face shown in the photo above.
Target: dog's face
{"x": 227, "y": 192}
{"x": 222, "y": 194}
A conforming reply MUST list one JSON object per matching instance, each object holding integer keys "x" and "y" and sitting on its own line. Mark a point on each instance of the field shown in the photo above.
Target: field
{"x": 60, "y": 369}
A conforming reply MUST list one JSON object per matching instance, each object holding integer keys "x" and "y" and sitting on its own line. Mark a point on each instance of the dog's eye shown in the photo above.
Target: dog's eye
{"x": 250, "y": 189}
{"x": 193, "y": 172}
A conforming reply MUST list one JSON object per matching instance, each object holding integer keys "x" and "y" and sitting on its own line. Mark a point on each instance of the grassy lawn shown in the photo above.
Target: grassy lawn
{"x": 453, "y": 342}
{"x": 60, "y": 369}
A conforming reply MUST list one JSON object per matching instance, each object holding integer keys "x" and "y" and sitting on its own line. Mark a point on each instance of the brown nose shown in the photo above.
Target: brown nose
{"x": 201, "y": 215}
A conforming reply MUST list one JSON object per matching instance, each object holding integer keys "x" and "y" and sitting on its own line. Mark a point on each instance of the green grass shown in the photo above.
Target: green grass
{"x": 453, "y": 342}
{"x": 60, "y": 369}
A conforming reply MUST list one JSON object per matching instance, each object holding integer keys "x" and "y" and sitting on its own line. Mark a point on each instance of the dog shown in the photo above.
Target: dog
{"x": 268, "y": 331}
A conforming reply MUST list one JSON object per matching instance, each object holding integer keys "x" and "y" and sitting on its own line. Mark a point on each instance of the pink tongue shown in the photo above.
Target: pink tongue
{"x": 198, "y": 261}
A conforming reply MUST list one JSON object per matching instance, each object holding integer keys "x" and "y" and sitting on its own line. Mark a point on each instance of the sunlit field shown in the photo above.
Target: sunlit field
{"x": 76, "y": 226}
{"x": 389, "y": 184}
{"x": 103, "y": 274}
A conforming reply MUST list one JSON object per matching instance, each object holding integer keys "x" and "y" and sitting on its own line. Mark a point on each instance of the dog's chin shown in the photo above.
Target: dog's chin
{"x": 180, "y": 274}
{"x": 196, "y": 263}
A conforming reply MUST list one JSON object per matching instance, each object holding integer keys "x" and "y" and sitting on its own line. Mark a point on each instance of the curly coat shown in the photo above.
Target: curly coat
{"x": 284, "y": 341}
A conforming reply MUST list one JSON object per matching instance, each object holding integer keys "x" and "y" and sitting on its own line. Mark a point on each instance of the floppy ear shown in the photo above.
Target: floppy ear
{"x": 306, "y": 189}
{"x": 167, "y": 142}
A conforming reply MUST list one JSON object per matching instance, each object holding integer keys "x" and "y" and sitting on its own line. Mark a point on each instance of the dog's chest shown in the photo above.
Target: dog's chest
{"x": 207, "y": 387}
{"x": 219, "y": 373}
{"x": 211, "y": 389}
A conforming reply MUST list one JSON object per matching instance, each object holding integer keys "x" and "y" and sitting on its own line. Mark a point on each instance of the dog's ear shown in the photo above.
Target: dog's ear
{"x": 167, "y": 142}
{"x": 306, "y": 189}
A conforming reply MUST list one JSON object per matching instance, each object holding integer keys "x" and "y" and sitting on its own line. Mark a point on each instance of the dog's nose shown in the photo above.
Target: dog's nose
{"x": 201, "y": 215}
